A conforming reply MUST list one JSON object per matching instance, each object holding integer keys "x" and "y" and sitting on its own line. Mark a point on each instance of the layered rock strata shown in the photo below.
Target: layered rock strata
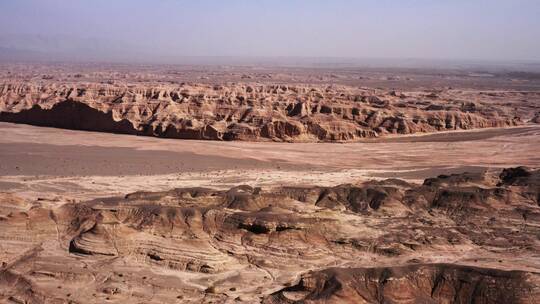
{"x": 251, "y": 111}
{"x": 455, "y": 239}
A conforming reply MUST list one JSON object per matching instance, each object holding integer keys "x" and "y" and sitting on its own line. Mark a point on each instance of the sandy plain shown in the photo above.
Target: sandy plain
{"x": 48, "y": 162}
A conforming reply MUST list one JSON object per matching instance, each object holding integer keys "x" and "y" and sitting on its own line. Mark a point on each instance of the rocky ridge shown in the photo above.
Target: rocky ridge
{"x": 244, "y": 111}
{"x": 453, "y": 239}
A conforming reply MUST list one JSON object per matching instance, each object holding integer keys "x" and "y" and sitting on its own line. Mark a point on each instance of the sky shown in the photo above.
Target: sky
{"x": 498, "y": 30}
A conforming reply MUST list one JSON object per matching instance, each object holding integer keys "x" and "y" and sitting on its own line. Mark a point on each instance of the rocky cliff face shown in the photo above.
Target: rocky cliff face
{"x": 427, "y": 284}
{"x": 247, "y": 111}
{"x": 455, "y": 239}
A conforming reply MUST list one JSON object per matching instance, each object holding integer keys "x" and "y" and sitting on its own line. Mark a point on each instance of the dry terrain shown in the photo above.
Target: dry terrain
{"x": 297, "y": 112}
{"x": 298, "y": 185}
{"x": 38, "y": 162}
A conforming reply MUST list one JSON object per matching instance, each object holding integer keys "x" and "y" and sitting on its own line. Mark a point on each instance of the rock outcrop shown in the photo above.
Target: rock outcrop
{"x": 246, "y": 111}
{"x": 454, "y": 239}
{"x": 428, "y": 283}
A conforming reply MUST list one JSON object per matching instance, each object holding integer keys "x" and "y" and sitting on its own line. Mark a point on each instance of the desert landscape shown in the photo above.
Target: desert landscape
{"x": 190, "y": 184}
{"x": 269, "y": 152}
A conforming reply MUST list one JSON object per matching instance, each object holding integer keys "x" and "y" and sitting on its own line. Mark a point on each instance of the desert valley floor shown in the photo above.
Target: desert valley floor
{"x": 258, "y": 185}
{"x": 47, "y": 162}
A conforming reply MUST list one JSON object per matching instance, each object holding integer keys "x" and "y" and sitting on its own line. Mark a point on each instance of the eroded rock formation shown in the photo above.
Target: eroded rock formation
{"x": 428, "y": 283}
{"x": 249, "y": 111}
{"x": 454, "y": 239}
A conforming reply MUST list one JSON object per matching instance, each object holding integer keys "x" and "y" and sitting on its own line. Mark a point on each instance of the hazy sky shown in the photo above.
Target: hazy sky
{"x": 449, "y": 29}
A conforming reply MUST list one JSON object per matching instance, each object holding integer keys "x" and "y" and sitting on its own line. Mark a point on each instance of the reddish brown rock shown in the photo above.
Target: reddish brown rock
{"x": 243, "y": 112}
{"x": 371, "y": 242}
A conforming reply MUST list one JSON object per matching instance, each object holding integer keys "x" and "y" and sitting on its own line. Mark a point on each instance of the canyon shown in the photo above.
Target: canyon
{"x": 253, "y": 111}
{"x": 297, "y": 185}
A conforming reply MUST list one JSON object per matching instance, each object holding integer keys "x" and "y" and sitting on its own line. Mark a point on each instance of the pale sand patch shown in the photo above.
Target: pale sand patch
{"x": 47, "y": 162}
